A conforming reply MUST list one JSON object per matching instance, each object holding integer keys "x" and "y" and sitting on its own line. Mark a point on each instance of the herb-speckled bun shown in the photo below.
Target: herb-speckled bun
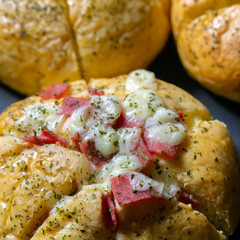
{"x": 48, "y": 41}
{"x": 207, "y": 35}
{"x": 51, "y": 187}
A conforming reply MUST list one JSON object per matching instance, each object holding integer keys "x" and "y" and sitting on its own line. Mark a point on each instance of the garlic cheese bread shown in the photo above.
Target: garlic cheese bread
{"x": 131, "y": 157}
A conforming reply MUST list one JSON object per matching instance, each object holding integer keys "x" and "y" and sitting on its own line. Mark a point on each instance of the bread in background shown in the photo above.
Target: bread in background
{"x": 48, "y": 41}
{"x": 207, "y": 35}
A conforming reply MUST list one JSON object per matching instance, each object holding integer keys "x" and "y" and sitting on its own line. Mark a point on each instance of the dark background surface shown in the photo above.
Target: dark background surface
{"x": 167, "y": 67}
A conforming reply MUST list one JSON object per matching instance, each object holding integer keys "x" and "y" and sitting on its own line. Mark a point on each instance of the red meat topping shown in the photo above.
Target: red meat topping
{"x": 125, "y": 193}
{"x": 56, "y": 90}
{"x": 109, "y": 212}
{"x": 70, "y": 104}
{"x": 94, "y": 91}
{"x": 46, "y": 137}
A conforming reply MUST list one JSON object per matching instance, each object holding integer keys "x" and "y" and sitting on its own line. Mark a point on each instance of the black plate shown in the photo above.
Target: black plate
{"x": 167, "y": 66}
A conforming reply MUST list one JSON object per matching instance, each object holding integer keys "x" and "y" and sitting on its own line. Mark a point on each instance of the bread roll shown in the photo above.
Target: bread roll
{"x": 62, "y": 188}
{"x": 207, "y": 36}
{"x": 48, "y": 41}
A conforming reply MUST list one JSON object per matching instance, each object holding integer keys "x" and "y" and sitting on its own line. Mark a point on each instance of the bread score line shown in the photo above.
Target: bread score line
{"x": 84, "y": 161}
{"x": 64, "y": 40}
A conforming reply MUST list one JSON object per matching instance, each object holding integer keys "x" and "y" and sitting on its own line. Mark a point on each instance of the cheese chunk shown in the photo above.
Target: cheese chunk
{"x": 128, "y": 139}
{"x": 106, "y": 109}
{"x": 162, "y": 115}
{"x": 167, "y": 189}
{"x": 38, "y": 115}
{"x": 168, "y": 133}
{"x": 141, "y": 104}
{"x": 165, "y": 127}
{"x": 78, "y": 121}
{"x": 119, "y": 164}
{"x": 105, "y": 137}
{"x": 141, "y": 182}
{"x": 141, "y": 79}
{"x": 103, "y": 110}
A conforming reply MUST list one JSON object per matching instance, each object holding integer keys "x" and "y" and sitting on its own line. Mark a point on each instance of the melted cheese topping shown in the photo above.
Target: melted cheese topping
{"x": 105, "y": 137}
{"x": 141, "y": 79}
{"x": 120, "y": 164}
{"x": 161, "y": 116}
{"x": 106, "y": 109}
{"x": 78, "y": 121}
{"x": 128, "y": 139}
{"x": 94, "y": 123}
{"x": 167, "y": 186}
{"x": 171, "y": 134}
{"x": 164, "y": 127}
{"x": 141, "y": 104}
{"x": 38, "y": 115}
{"x": 141, "y": 182}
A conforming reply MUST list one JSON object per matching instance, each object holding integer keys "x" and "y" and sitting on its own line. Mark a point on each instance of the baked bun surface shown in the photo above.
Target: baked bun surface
{"x": 208, "y": 38}
{"x": 131, "y": 157}
{"x": 46, "y": 40}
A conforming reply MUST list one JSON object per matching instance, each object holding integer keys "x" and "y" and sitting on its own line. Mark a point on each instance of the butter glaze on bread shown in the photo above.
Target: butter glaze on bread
{"x": 204, "y": 166}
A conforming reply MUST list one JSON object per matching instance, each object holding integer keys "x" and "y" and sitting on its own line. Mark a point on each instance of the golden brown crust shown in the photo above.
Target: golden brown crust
{"x": 36, "y": 45}
{"x": 159, "y": 223}
{"x": 48, "y": 41}
{"x": 40, "y": 176}
{"x": 207, "y": 35}
{"x": 75, "y": 223}
{"x": 110, "y": 42}
{"x": 184, "y": 12}
{"x": 169, "y": 221}
{"x": 205, "y": 166}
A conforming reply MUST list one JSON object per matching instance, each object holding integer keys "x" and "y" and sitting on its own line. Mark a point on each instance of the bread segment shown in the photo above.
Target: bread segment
{"x": 33, "y": 180}
{"x": 206, "y": 167}
{"x": 115, "y": 37}
{"x": 49, "y": 41}
{"x": 36, "y": 45}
